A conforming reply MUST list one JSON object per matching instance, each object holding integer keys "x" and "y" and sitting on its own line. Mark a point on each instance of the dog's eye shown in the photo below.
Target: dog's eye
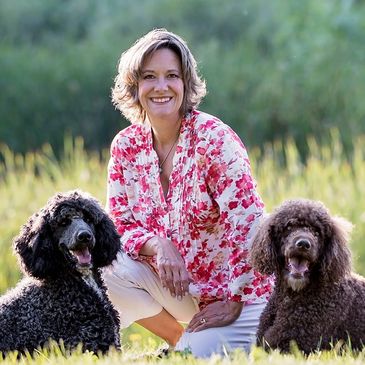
{"x": 87, "y": 219}
{"x": 64, "y": 222}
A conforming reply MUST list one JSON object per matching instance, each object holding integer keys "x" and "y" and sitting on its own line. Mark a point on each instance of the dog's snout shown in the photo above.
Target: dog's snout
{"x": 303, "y": 244}
{"x": 84, "y": 236}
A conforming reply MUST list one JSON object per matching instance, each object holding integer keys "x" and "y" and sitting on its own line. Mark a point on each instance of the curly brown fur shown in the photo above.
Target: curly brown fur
{"x": 317, "y": 301}
{"x": 61, "y": 250}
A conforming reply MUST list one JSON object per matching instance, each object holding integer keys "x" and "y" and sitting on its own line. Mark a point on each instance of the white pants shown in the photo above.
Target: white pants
{"x": 136, "y": 291}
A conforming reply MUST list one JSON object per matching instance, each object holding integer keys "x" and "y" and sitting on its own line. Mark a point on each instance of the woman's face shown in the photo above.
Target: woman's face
{"x": 161, "y": 87}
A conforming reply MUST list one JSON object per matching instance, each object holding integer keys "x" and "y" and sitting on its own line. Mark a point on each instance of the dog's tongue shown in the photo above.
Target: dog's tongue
{"x": 83, "y": 256}
{"x": 298, "y": 267}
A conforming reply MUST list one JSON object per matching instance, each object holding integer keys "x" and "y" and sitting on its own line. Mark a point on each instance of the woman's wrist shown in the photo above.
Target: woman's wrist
{"x": 235, "y": 308}
{"x": 150, "y": 247}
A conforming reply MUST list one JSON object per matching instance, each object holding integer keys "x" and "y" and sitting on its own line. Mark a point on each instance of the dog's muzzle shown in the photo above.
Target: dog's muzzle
{"x": 84, "y": 242}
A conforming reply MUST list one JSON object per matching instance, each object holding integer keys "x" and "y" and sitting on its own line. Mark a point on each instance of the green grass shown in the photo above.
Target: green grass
{"x": 26, "y": 182}
{"x": 140, "y": 356}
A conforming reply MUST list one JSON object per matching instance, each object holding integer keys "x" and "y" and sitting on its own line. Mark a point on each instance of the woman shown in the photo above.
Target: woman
{"x": 182, "y": 197}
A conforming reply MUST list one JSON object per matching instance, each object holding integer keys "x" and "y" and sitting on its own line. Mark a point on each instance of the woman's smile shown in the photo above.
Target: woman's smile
{"x": 161, "y": 87}
{"x": 161, "y": 100}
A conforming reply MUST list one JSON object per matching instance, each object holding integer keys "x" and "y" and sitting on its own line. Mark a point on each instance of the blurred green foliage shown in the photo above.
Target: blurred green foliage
{"x": 274, "y": 69}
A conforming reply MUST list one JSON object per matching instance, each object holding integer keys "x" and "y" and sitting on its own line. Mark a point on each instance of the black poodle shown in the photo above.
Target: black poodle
{"x": 62, "y": 298}
{"x": 317, "y": 301}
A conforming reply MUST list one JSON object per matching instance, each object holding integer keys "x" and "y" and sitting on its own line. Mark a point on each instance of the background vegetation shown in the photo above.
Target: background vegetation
{"x": 274, "y": 69}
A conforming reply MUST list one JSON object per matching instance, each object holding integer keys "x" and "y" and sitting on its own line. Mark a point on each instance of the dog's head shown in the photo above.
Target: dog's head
{"x": 71, "y": 232}
{"x": 300, "y": 241}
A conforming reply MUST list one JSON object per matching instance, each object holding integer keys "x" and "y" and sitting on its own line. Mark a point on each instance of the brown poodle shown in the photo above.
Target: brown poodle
{"x": 317, "y": 301}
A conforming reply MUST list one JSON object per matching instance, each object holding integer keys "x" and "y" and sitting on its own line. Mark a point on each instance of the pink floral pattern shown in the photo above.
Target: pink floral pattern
{"x": 210, "y": 212}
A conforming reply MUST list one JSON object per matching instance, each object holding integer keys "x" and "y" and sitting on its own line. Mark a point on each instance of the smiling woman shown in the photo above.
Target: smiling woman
{"x": 182, "y": 197}
{"x": 161, "y": 89}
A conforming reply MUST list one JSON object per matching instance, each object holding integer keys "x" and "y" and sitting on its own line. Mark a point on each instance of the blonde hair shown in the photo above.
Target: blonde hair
{"x": 125, "y": 90}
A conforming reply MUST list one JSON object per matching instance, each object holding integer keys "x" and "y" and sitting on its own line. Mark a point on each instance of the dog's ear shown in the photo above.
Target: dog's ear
{"x": 34, "y": 248}
{"x": 336, "y": 262}
{"x": 263, "y": 255}
{"x": 107, "y": 242}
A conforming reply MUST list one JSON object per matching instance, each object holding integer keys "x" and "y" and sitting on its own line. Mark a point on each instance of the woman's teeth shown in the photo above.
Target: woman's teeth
{"x": 160, "y": 100}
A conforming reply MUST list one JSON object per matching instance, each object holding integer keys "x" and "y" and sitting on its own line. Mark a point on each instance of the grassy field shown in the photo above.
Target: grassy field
{"x": 26, "y": 182}
{"x": 257, "y": 357}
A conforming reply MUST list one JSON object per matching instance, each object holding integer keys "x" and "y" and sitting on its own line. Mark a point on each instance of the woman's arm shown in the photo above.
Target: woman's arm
{"x": 135, "y": 238}
{"x": 133, "y": 234}
{"x": 231, "y": 185}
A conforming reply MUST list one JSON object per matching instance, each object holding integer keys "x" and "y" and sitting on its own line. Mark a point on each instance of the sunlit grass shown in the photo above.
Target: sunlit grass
{"x": 26, "y": 182}
{"x": 139, "y": 356}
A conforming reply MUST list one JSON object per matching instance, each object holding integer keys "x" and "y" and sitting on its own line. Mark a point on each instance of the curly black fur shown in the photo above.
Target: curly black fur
{"x": 62, "y": 297}
{"x": 317, "y": 301}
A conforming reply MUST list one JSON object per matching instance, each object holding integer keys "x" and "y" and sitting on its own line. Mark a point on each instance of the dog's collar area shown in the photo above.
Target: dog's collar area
{"x": 90, "y": 281}
{"x": 85, "y": 271}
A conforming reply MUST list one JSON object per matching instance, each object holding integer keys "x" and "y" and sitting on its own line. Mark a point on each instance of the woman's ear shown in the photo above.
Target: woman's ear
{"x": 107, "y": 242}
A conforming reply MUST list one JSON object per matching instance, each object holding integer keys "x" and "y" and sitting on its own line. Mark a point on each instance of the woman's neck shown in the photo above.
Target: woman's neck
{"x": 165, "y": 132}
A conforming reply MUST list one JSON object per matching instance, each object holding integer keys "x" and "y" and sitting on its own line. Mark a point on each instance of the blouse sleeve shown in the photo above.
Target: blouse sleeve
{"x": 232, "y": 186}
{"x": 133, "y": 234}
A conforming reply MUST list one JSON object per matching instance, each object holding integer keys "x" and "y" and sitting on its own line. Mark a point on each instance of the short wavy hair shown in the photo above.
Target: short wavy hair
{"x": 125, "y": 90}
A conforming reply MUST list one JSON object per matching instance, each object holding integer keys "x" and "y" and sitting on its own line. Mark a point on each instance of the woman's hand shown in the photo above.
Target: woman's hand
{"x": 171, "y": 266}
{"x": 216, "y": 314}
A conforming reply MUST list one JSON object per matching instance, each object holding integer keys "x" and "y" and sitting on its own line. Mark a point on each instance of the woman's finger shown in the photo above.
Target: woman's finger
{"x": 169, "y": 281}
{"x": 199, "y": 318}
{"x": 180, "y": 287}
{"x": 216, "y": 314}
{"x": 185, "y": 281}
{"x": 204, "y": 322}
{"x": 162, "y": 275}
{"x": 181, "y": 281}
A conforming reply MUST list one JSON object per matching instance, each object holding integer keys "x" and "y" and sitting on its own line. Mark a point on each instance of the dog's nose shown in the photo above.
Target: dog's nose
{"x": 303, "y": 243}
{"x": 84, "y": 236}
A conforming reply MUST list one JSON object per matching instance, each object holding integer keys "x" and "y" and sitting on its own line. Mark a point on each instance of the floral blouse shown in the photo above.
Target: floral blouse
{"x": 210, "y": 212}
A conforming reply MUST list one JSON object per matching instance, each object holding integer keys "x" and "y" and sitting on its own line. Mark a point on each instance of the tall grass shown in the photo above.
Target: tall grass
{"x": 26, "y": 182}
{"x": 57, "y": 356}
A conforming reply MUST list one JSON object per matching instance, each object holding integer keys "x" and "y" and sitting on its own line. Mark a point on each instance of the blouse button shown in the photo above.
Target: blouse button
{"x": 168, "y": 233}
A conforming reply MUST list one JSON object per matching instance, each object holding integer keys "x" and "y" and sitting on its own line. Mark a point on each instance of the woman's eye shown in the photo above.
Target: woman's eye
{"x": 173, "y": 76}
{"x": 148, "y": 77}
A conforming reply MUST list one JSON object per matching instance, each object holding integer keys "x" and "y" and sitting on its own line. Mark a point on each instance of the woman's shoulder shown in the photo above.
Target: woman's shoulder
{"x": 203, "y": 120}
{"x": 130, "y": 135}
{"x": 209, "y": 125}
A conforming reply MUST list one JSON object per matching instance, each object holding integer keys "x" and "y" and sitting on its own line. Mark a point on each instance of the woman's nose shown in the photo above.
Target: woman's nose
{"x": 161, "y": 84}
